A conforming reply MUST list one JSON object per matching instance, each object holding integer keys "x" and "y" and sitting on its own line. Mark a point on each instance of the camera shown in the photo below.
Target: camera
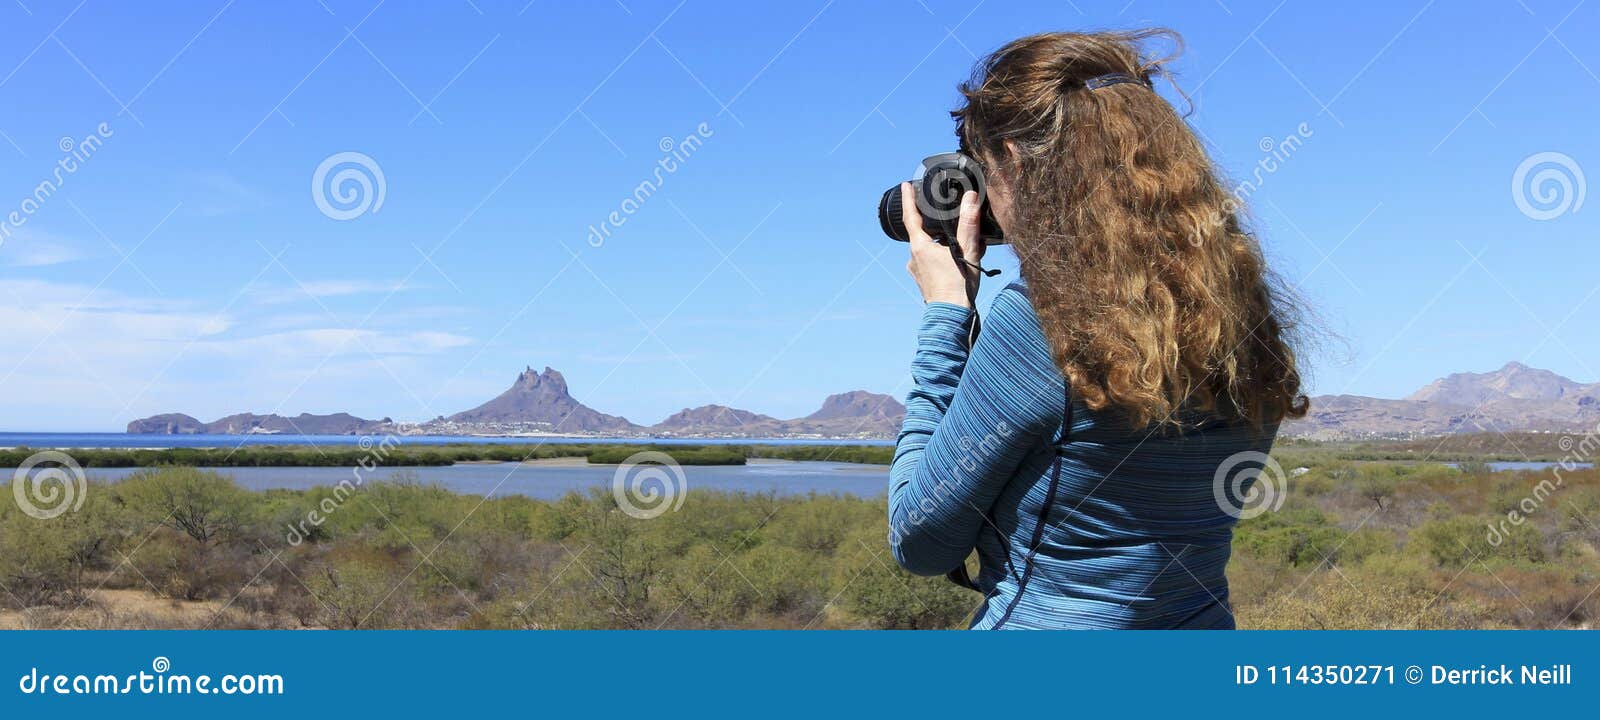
{"x": 938, "y": 186}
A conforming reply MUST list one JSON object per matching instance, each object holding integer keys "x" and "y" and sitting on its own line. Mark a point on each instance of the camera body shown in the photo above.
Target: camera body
{"x": 938, "y": 186}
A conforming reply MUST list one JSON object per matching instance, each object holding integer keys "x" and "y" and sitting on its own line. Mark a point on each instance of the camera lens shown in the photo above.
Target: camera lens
{"x": 889, "y": 217}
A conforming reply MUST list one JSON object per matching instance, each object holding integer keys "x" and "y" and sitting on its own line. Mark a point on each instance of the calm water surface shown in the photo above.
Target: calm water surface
{"x": 548, "y": 482}
{"x": 124, "y": 440}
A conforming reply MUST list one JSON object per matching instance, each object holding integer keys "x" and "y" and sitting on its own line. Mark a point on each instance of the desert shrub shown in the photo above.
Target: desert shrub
{"x": 35, "y": 559}
{"x": 726, "y": 521}
{"x": 621, "y": 561}
{"x": 1533, "y": 595}
{"x": 793, "y": 584}
{"x": 705, "y": 588}
{"x": 176, "y": 566}
{"x": 821, "y": 523}
{"x": 355, "y": 587}
{"x": 1311, "y": 484}
{"x": 1332, "y": 602}
{"x": 1458, "y": 540}
{"x": 1376, "y": 488}
{"x": 204, "y": 505}
{"x": 1298, "y": 534}
{"x": 881, "y": 595}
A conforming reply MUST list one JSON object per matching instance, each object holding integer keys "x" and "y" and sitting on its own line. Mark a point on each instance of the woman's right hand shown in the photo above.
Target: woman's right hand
{"x": 933, "y": 266}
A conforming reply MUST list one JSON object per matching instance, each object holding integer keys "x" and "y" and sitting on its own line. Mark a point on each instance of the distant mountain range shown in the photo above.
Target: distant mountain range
{"x": 540, "y": 403}
{"x": 1513, "y": 398}
{"x": 250, "y": 423}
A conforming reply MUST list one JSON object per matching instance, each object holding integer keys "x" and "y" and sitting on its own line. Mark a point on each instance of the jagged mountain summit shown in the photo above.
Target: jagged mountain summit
{"x": 542, "y": 399}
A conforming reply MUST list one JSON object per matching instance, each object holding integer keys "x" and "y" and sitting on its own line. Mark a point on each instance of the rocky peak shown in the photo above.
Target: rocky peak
{"x": 550, "y": 380}
{"x": 858, "y": 404}
{"x": 1513, "y": 381}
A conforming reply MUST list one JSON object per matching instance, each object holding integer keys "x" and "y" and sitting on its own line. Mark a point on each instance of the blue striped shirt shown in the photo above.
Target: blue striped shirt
{"x": 1126, "y": 533}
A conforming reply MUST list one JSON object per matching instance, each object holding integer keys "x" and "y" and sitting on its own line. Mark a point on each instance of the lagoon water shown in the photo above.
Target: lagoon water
{"x": 125, "y": 440}
{"x": 551, "y": 481}
{"x": 542, "y": 481}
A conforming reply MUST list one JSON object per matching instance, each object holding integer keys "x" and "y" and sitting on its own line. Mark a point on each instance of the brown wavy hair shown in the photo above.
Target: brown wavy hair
{"x": 1154, "y": 298}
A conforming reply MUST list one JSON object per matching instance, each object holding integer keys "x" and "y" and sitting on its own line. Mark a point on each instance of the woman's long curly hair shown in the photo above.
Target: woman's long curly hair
{"x": 1154, "y": 298}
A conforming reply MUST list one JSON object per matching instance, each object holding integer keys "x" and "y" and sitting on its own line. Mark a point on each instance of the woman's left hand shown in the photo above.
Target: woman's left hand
{"x": 937, "y": 273}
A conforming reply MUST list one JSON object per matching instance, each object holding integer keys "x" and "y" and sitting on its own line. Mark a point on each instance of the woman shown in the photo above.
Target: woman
{"x": 1079, "y": 441}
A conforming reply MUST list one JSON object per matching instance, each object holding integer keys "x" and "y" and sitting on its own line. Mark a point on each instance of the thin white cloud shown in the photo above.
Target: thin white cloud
{"x": 320, "y": 289}
{"x": 210, "y": 194}
{"x": 30, "y": 248}
{"x": 82, "y": 357}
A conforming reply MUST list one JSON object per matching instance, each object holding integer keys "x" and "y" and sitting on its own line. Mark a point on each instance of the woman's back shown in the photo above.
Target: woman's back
{"x": 1130, "y": 534}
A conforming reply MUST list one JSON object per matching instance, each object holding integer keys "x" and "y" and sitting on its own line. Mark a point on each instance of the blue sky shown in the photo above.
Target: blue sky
{"x": 186, "y": 265}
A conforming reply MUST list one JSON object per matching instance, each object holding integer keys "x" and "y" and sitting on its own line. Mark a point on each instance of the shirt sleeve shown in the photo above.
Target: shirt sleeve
{"x": 970, "y": 422}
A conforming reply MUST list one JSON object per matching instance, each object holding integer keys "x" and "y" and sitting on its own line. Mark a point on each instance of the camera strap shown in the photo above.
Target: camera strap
{"x": 961, "y": 259}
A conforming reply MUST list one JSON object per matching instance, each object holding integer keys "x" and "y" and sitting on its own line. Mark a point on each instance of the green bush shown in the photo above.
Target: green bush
{"x": 1456, "y": 541}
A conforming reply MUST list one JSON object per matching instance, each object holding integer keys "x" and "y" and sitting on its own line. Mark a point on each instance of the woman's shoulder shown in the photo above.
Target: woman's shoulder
{"x": 1011, "y": 318}
{"x": 1012, "y": 309}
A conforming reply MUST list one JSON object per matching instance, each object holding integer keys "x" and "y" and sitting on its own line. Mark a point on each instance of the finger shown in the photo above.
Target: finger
{"x": 968, "y": 225}
{"x": 910, "y": 215}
